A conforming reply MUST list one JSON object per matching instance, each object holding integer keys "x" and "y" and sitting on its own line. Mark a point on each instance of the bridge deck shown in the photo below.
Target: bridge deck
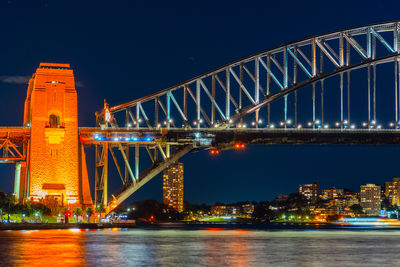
{"x": 15, "y": 133}
{"x": 222, "y": 137}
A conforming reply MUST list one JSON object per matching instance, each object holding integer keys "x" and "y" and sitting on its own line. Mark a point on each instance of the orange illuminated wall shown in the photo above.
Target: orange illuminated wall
{"x": 56, "y": 167}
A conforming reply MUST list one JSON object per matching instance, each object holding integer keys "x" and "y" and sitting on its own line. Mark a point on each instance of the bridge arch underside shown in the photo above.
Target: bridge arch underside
{"x": 341, "y": 87}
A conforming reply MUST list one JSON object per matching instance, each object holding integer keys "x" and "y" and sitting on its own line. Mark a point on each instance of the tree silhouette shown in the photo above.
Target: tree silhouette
{"x": 100, "y": 208}
{"x": 89, "y": 212}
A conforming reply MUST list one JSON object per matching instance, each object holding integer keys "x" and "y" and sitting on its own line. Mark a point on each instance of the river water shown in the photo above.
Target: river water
{"x": 205, "y": 247}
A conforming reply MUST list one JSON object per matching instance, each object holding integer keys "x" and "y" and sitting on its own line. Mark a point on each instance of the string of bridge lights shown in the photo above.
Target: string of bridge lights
{"x": 319, "y": 125}
{"x": 289, "y": 123}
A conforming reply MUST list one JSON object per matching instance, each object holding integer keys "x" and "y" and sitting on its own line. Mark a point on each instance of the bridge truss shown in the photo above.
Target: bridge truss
{"x": 13, "y": 144}
{"x": 300, "y": 92}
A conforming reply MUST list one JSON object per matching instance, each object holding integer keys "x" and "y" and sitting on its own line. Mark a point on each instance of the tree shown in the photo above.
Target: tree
{"x": 357, "y": 209}
{"x": 39, "y": 207}
{"x": 262, "y": 212}
{"x": 89, "y": 212}
{"x": 100, "y": 208}
{"x": 77, "y": 212}
{"x": 296, "y": 201}
{"x": 53, "y": 204}
{"x": 146, "y": 210}
{"x": 9, "y": 203}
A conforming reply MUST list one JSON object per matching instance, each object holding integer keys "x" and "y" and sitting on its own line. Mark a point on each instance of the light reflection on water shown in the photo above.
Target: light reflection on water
{"x": 211, "y": 247}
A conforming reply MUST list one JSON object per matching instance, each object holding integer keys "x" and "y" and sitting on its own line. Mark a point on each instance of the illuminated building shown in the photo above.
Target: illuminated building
{"x": 55, "y": 170}
{"x": 248, "y": 208}
{"x": 392, "y": 191}
{"x": 331, "y": 193}
{"x": 351, "y": 200}
{"x": 173, "y": 186}
{"x": 310, "y": 191}
{"x": 370, "y": 196}
{"x": 219, "y": 209}
{"x": 225, "y": 210}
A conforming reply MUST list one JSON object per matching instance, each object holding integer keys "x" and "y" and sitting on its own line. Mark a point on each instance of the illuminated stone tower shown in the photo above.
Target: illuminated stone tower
{"x": 56, "y": 166}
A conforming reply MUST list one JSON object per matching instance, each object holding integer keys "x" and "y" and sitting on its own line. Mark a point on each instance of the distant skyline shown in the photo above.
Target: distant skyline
{"x": 125, "y": 50}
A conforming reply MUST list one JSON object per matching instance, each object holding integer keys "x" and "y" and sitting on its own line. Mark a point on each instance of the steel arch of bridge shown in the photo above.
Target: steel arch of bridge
{"x": 212, "y": 109}
{"x": 321, "y": 61}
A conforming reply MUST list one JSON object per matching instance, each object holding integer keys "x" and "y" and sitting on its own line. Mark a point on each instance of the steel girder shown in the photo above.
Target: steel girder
{"x": 133, "y": 178}
{"x": 13, "y": 144}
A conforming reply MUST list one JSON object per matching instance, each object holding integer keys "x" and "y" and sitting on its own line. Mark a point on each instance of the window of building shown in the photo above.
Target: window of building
{"x": 54, "y": 121}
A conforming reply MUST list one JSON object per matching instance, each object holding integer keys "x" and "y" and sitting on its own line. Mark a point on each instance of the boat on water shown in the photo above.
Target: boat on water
{"x": 369, "y": 222}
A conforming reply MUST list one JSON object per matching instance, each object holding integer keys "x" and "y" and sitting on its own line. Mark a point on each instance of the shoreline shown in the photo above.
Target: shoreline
{"x": 193, "y": 226}
{"x": 57, "y": 226}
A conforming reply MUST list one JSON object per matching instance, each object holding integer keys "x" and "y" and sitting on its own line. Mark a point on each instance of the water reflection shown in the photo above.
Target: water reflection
{"x": 212, "y": 247}
{"x": 235, "y": 252}
{"x": 39, "y": 248}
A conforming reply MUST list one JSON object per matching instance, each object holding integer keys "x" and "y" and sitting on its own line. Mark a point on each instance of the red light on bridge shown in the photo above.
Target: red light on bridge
{"x": 214, "y": 151}
{"x": 240, "y": 145}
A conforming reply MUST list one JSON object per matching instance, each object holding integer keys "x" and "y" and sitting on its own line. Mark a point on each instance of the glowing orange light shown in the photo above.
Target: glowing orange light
{"x": 214, "y": 151}
{"x": 240, "y": 145}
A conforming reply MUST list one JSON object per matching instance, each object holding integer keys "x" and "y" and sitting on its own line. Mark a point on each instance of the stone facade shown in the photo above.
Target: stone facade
{"x": 51, "y": 111}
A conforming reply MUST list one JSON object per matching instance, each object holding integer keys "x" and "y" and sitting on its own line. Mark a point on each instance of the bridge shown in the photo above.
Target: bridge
{"x": 336, "y": 88}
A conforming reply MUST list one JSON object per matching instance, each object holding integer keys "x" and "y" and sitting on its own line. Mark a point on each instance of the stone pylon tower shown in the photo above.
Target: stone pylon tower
{"x": 55, "y": 169}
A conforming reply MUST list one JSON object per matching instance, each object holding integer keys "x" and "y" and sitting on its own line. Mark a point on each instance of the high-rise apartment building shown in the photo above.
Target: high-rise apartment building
{"x": 370, "y": 196}
{"x": 332, "y": 193}
{"x": 173, "y": 186}
{"x": 392, "y": 191}
{"x": 310, "y": 191}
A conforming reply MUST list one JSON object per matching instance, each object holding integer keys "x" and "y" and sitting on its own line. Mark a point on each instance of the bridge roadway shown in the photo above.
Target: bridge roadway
{"x": 219, "y": 138}
{"x": 225, "y": 138}
{"x": 16, "y": 134}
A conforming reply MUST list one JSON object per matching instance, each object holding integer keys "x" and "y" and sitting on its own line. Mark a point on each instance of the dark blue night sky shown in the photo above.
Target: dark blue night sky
{"x": 123, "y": 50}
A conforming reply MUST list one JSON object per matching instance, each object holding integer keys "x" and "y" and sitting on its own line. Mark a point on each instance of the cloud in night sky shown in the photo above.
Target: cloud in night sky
{"x": 23, "y": 79}
{"x": 16, "y": 79}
